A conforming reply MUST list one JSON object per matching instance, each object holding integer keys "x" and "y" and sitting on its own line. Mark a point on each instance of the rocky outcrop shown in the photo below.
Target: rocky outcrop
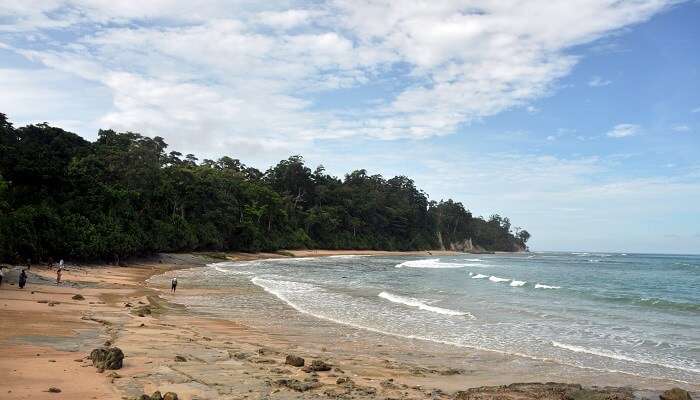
{"x": 544, "y": 391}
{"x": 107, "y": 358}
{"x": 675, "y": 394}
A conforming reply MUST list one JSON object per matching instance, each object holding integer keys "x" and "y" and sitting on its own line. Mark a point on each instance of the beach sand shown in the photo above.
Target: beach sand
{"x": 46, "y": 336}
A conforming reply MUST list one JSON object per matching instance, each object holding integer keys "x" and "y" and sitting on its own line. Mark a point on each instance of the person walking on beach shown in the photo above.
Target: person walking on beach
{"x": 22, "y": 279}
{"x": 2, "y": 275}
{"x": 59, "y": 272}
{"x": 173, "y": 284}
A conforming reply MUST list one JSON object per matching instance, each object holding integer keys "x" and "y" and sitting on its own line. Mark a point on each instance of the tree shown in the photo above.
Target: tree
{"x": 123, "y": 195}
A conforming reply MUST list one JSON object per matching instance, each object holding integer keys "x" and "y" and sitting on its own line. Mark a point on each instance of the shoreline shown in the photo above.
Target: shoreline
{"x": 46, "y": 345}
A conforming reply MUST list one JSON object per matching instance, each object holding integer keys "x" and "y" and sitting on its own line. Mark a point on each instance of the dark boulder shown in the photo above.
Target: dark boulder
{"x": 107, "y": 358}
{"x": 294, "y": 361}
{"x": 156, "y": 395}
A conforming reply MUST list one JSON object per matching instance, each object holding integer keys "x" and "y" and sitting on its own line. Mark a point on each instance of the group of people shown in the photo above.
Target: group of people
{"x": 22, "y": 280}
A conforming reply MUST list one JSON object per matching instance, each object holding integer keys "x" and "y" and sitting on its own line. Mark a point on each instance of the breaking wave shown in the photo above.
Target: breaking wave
{"x": 541, "y": 286}
{"x": 411, "y": 302}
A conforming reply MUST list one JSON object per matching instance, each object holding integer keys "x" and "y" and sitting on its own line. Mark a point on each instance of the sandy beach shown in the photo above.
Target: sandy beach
{"x": 48, "y": 332}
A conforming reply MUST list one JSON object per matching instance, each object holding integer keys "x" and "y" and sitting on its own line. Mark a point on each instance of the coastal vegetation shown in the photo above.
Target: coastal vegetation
{"x": 124, "y": 195}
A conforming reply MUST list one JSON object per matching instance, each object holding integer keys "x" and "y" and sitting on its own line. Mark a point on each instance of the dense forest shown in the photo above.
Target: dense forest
{"x": 123, "y": 195}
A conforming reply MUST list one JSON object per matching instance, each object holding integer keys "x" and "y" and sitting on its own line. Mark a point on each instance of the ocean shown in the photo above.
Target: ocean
{"x": 634, "y": 314}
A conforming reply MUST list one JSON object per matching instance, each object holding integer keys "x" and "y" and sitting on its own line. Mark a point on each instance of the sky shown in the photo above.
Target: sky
{"x": 579, "y": 120}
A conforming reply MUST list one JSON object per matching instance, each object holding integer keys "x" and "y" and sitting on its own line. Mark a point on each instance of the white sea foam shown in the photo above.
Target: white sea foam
{"x": 411, "y": 302}
{"x": 517, "y": 283}
{"x": 497, "y": 279}
{"x": 615, "y": 356}
{"x": 541, "y": 286}
{"x": 349, "y": 256}
{"x": 428, "y": 263}
{"x": 593, "y": 261}
{"x": 479, "y": 276}
{"x": 231, "y": 271}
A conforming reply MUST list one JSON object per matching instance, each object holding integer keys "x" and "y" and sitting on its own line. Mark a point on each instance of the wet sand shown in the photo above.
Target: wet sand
{"x": 45, "y": 345}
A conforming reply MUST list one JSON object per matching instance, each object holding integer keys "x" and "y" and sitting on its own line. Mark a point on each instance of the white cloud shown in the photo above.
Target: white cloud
{"x": 695, "y": 110}
{"x": 597, "y": 81}
{"x": 681, "y": 128}
{"x": 623, "y": 130}
{"x": 254, "y": 71}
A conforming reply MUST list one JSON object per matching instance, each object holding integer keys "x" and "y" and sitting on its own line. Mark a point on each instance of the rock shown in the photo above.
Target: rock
{"x": 54, "y": 303}
{"x": 675, "y": 394}
{"x": 114, "y": 375}
{"x": 294, "y": 361}
{"x": 156, "y": 396}
{"x": 280, "y": 371}
{"x": 388, "y": 384}
{"x": 142, "y": 311}
{"x": 451, "y": 371}
{"x": 170, "y": 396}
{"x": 143, "y": 397}
{"x": 42, "y": 301}
{"x": 78, "y": 297}
{"x": 344, "y": 380}
{"x": 54, "y": 390}
{"x": 298, "y": 385}
{"x": 107, "y": 358}
{"x": 366, "y": 391}
{"x": 180, "y": 359}
{"x": 240, "y": 355}
{"x": 316, "y": 365}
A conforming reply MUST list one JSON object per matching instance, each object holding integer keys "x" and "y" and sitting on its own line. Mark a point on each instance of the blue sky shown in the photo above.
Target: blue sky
{"x": 581, "y": 123}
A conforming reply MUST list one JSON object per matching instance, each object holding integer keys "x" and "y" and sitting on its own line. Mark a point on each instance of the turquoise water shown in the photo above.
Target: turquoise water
{"x": 627, "y": 313}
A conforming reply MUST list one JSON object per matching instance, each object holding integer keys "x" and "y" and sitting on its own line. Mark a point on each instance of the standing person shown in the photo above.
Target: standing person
{"x": 59, "y": 272}
{"x": 29, "y": 264}
{"x": 60, "y": 264}
{"x": 2, "y": 275}
{"x": 23, "y": 279}
{"x": 173, "y": 284}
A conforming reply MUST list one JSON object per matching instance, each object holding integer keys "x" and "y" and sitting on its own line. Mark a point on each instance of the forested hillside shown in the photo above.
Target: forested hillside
{"x": 124, "y": 194}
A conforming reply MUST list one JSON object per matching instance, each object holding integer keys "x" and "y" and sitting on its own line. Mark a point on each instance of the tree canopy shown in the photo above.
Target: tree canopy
{"x": 124, "y": 195}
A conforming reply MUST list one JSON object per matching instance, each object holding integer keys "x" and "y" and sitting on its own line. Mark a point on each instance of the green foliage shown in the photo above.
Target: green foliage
{"x": 123, "y": 195}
